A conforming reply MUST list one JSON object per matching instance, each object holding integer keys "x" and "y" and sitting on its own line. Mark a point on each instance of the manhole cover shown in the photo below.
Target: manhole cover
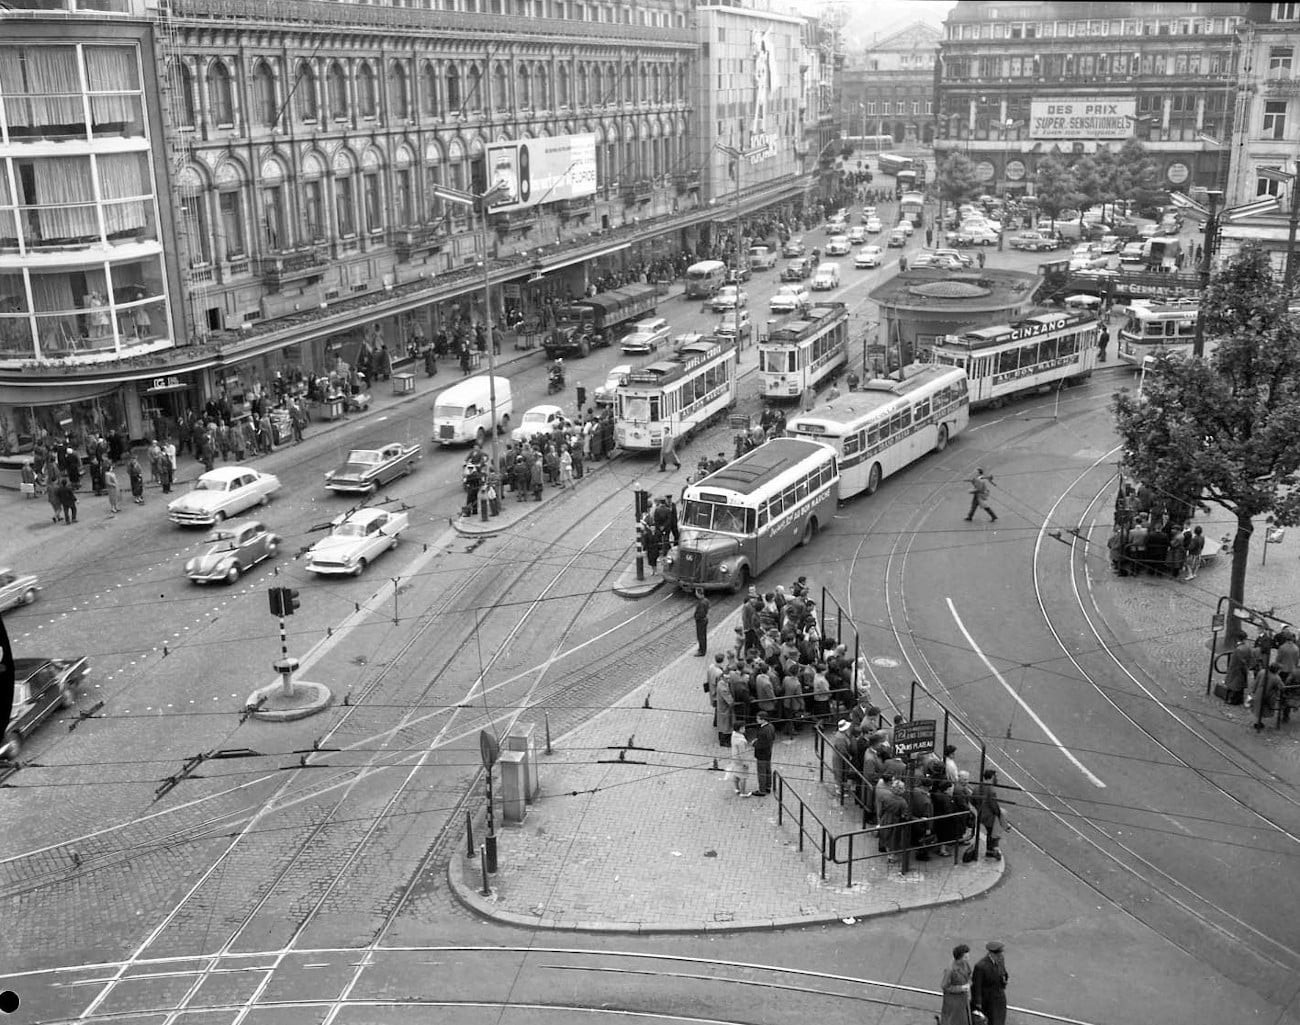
{"x": 885, "y": 663}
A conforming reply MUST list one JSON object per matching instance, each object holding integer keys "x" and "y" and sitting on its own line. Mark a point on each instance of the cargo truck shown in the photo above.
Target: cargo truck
{"x": 584, "y": 324}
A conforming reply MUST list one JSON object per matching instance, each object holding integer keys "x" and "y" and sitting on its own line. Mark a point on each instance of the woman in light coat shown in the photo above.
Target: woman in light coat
{"x": 742, "y": 754}
{"x": 723, "y": 710}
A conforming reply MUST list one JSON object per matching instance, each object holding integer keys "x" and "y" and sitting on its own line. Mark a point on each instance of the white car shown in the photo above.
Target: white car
{"x": 838, "y": 245}
{"x": 539, "y": 420}
{"x": 355, "y": 541}
{"x": 221, "y": 493}
{"x": 16, "y": 588}
{"x": 735, "y": 326}
{"x": 790, "y": 298}
{"x": 869, "y": 256}
{"x": 604, "y": 395}
{"x": 868, "y": 212}
{"x": 645, "y": 335}
{"x": 907, "y": 227}
{"x": 729, "y": 297}
{"x": 762, "y": 258}
{"x": 873, "y": 225}
{"x": 857, "y": 234}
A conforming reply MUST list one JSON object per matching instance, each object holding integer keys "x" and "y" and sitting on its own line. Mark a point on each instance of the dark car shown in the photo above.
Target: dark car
{"x": 798, "y": 270}
{"x": 42, "y": 686}
{"x": 794, "y": 247}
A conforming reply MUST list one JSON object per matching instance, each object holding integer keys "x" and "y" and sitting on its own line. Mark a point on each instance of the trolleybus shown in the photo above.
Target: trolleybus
{"x": 670, "y": 398}
{"x": 892, "y": 163}
{"x": 888, "y": 424}
{"x": 804, "y": 350}
{"x": 1045, "y": 350}
{"x": 1157, "y": 328}
{"x": 741, "y": 519}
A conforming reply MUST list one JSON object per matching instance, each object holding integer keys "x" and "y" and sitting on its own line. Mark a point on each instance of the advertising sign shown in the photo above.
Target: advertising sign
{"x": 544, "y": 170}
{"x": 1081, "y": 117}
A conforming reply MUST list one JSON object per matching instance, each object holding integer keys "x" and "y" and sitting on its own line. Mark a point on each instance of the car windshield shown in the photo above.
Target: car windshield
{"x": 363, "y": 456}
{"x": 219, "y": 536}
{"x": 350, "y": 529}
{"x": 210, "y": 484}
{"x": 451, "y": 412}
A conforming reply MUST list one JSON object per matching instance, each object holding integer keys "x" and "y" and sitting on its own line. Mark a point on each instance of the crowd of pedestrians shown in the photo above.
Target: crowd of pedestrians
{"x": 1151, "y": 535}
{"x": 1264, "y": 674}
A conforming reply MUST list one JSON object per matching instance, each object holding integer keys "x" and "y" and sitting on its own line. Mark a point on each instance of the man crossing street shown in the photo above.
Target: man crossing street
{"x": 979, "y": 495}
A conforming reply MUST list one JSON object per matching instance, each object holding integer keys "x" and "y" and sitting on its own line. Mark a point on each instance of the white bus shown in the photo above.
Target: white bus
{"x": 888, "y": 424}
{"x": 741, "y": 519}
{"x": 805, "y": 349}
{"x": 703, "y": 279}
{"x": 1152, "y": 328}
{"x": 1045, "y": 350}
{"x": 671, "y": 398}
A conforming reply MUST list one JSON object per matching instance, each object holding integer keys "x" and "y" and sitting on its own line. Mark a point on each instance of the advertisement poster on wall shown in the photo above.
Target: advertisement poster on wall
{"x": 544, "y": 170}
{"x": 1082, "y": 117}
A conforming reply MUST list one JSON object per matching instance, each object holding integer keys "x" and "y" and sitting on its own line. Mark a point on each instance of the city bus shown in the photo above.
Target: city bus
{"x": 703, "y": 279}
{"x": 1045, "y": 350}
{"x": 805, "y": 350}
{"x": 892, "y": 163}
{"x": 910, "y": 205}
{"x": 739, "y": 520}
{"x": 1151, "y": 329}
{"x": 888, "y": 424}
{"x": 671, "y": 398}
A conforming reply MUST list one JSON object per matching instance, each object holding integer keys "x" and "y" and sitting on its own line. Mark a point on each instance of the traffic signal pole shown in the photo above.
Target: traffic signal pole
{"x": 283, "y": 601}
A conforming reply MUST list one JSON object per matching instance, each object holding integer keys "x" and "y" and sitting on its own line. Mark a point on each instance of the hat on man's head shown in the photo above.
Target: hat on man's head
{"x": 844, "y": 725}
{"x": 993, "y": 946}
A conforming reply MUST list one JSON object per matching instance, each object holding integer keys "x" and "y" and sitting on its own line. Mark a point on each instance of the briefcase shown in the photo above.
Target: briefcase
{"x": 1232, "y": 697}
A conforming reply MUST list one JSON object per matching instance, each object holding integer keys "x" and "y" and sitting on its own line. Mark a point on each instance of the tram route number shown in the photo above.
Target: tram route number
{"x": 916, "y": 737}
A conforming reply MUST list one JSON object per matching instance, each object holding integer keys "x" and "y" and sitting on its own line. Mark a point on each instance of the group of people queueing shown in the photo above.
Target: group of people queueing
{"x": 1265, "y": 675}
{"x": 1151, "y": 536}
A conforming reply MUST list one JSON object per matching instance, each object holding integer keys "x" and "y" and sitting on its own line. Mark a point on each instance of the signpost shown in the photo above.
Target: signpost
{"x": 916, "y": 737}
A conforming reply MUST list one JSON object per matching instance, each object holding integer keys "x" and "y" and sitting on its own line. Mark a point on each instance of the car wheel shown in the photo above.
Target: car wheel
{"x": 12, "y": 746}
{"x": 374, "y": 487}
{"x": 392, "y": 544}
{"x": 272, "y": 547}
{"x": 264, "y": 500}
{"x": 361, "y": 568}
{"x": 942, "y": 443}
{"x": 219, "y": 518}
{"x": 873, "y": 479}
{"x": 809, "y": 532}
{"x": 232, "y": 574}
{"x": 742, "y": 580}
{"x": 29, "y": 596}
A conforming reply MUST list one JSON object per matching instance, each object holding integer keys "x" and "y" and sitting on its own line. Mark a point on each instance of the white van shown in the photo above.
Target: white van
{"x": 463, "y": 412}
{"x": 705, "y": 278}
{"x": 827, "y": 277}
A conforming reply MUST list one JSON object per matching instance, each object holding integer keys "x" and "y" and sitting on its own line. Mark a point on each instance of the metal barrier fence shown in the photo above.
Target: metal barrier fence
{"x": 839, "y": 855}
{"x": 822, "y": 838}
{"x": 841, "y": 619}
{"x": 828, "y": 760}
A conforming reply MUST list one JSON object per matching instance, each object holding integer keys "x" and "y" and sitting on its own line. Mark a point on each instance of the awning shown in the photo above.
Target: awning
{"x": 46, "y": 394}
{"x": 586, "y": 256}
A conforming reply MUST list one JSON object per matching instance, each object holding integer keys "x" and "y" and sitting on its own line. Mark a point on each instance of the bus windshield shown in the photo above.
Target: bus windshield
{"x": 711, "y": 516}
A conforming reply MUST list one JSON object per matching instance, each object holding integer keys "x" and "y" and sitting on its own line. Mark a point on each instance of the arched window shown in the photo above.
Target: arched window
{"x": 429, "y": 89}
{"x": 304, "y": 92}
{"x": 338, "y": 92}
{"x": 399, "y": 92}
{"x": 367, "y": 101}
{"x": 456, "y": 169}
{"x": 525, "y": 88}
{"x": 500, "y": 88}
{"x": 345, "y": 195}
{"x": 311, "y": 179}
{"x": 453, "y": 89}
{"x": 221, "y": 97}
{"x": 655, "y": 85}
{"x": 629, "y": 95}
{"x": 564, "y": 95}
{"x": 185, "y": 94}
{"x": 644, "y": 95}
{"x": 584, "y": 91}
{"x": 265, "y": 108}
{"x": 433, "y": 166}
{"x": 543, "y": 87}
{"x": 474, "y": 99}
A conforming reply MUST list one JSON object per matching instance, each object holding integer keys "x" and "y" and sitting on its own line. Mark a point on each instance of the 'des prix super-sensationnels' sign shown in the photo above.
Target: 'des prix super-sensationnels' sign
{"x": 1081, "y": 117}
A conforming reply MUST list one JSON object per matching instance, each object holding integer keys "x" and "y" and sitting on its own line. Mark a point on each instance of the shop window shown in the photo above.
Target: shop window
{"x": 127, "y": 197}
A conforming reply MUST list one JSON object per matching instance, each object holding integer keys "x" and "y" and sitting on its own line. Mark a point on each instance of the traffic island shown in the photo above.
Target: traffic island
{"x": 272, "y": 704}
{"x": 628, "y": 586}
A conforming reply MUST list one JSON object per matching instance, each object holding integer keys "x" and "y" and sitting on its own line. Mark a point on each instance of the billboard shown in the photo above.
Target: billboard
{"x": 544, "y": 170}
{"x": 1082, "y": 117}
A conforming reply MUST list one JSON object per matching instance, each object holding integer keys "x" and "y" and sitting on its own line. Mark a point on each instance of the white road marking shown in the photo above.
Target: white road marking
{"x": 1093, "y": 779}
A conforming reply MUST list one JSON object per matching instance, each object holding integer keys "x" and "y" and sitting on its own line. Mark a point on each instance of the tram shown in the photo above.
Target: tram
{"x": 1045, "y": 350}
{"x": 804, "y": 350}
{"x": 671, "y": 398}
{"x": 1153, "y": 329}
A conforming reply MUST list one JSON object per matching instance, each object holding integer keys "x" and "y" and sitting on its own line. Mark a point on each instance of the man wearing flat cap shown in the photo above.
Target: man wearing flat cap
{"x": 989, "y": 984}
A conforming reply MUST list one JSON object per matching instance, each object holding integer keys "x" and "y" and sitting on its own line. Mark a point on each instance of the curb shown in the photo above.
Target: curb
{"x": 317, "y": 698}
{"x": 627, "y": 585}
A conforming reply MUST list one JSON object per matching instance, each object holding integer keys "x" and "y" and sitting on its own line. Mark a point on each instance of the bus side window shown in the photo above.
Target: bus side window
{"x": 923, "y": 409}
{"x": 851, "y": 444}
{"x": 873, "y": 436}
{"x": 762, "y": 515}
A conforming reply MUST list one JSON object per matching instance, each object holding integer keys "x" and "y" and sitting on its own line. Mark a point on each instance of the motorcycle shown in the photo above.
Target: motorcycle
{"x": 555, "y": 380}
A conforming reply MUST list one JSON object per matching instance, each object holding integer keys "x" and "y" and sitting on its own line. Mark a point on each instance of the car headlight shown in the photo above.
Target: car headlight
{"x": 723, "y": 568}
{"x": 191, "y": 566}
{"x": 329, "y": 475}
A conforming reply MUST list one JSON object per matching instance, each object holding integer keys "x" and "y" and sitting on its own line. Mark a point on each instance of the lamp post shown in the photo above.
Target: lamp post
{"x": 481, "y": 204}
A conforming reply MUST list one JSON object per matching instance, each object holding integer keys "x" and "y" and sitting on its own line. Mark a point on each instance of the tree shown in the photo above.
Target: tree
{"x": 1052, "y": 187}
{"x": 1223, "y": 430}
{"x": 956, "y": 182}
{"x": 1136, "y": 176}
{"x": 1088, "y": 184}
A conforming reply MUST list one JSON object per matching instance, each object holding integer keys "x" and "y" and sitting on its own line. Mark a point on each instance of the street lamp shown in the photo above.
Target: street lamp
{"x": 481, "y": 204}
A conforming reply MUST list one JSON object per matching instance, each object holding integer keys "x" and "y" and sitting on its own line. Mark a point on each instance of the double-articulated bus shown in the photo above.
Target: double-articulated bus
{"x": 671, "y": 398}
{"x": 741, "y": 519}
{"x": 1046, "y": 350}
{"x": 804, "y": 350}
{"x": 888, "y": 424}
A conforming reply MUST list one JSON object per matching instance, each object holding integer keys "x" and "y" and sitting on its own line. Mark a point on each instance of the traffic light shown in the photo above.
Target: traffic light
{"x": 277, "y": 601}
{"x": 289, "y": 600}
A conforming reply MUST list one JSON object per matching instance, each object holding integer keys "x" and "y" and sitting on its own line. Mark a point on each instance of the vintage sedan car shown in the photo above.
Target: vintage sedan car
{"x": 976, "y": 235}
{"x": 965, "y": 259}
{"x": 221, "y": 493}
{"x": 540, "y": 420}
{"x": 838, "y": 245}
{"x": 645, "y": 335}
{"x": 857, "y": 234}
{"x": 42, "y": 686}
{"x": 232, "y": 548}
{"x": 794, "y": 247}
{"x": 735, "y": 326}
{"x": 1033, "y": 242}
{"x": 366, "y": 470}
{"x": 790, "y": 298}
{"x": 874, "y": 225}
{"x": 906, "y": 226}
{"x": 729, "y": 297}
{"x": 16, "y": 588}
{"x": 798, "y": 270}
{"x": 869, "y": 256}
{"x": 355, "y": 541}
{"x": 604, "y": 395}
{"x": 897, "y": 239}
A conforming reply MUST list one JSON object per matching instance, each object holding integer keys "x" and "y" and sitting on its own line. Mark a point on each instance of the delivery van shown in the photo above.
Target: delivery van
{"x": 463, "y": 413}
{"x": 703, "y": 279}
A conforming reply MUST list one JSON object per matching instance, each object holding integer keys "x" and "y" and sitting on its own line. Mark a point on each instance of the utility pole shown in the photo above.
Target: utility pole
{"x": 1207, "y": 254}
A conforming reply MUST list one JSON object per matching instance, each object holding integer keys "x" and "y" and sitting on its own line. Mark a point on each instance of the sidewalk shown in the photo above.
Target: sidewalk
{"x": 658, "y": 842}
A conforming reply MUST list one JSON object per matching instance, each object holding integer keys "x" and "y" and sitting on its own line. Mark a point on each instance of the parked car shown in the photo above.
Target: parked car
{"x": 233, "y": 548}
{"x": 17, "y": 588}
{"x": 940, "y": 261}
{"x": 857, "y": 234}
{"x": 736, "y": 326}
{"x": 646, "y": 335}
{"x": 762, "y": 258}
{"x": 42, "y": 686}
{"x": 897, "y": 239}
{"x": 539, "y": 420}
{"x": 1088, "y": 257}
{"x": 1033, "y": 242}
{"x": 838, "y": 245}
{"x": 869, "y": 256}
{"x": 355, "y": 541}
{"x": 368, "y": 469}
{"x": 1133, "y": 252}
{"x": 221, "y": 493}
{"x": 965, "y": 259}
{"x": 873, "y": 225}
{"x": 729, "y": 297}
{"x": 790, "y": 298}
{"x": 798, "y": 270}
{"x": 604, "y": 394}
{"x": 794, "y": 247}
{"x": 976, "y": 235}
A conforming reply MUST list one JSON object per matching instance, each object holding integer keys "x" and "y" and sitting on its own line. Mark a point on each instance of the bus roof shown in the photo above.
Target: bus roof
{"x": 872, "y": 396}
{"x": 761, "y": 465}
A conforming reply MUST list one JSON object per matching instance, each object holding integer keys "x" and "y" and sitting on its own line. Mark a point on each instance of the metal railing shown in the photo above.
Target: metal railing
{"x": 822, "y": 838}
{"x": 847, "y": 848}
{"x": 841, "y": 618}
{"x": 828, "y": 760}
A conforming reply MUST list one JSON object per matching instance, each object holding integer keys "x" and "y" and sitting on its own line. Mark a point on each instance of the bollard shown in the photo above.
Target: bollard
{"x": 469, "y": 835}
{"x": 483, "y": 506}
{"x": 640, "y": 560}
{"x": 491, "y": 855}
{"x": 486, "y": 891}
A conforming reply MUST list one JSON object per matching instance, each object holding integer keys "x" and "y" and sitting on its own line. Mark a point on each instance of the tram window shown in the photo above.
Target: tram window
{"x": 654, "y": 407}
{"x": 1008, "y": 361}
{"x": 1069, "y": 345}
{"x": 1187, "y": 328}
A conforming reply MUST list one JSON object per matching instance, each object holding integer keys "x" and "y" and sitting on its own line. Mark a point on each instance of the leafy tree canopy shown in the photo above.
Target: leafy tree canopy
{"x": 1052, "y": 186}
{"x": 957, "y": 180}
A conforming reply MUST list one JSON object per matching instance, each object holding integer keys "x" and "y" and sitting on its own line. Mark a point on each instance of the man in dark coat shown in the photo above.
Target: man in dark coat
{"x": 988, "y": 991}
{"x": 701, "y": 621}
{"x": 764, "y": 738}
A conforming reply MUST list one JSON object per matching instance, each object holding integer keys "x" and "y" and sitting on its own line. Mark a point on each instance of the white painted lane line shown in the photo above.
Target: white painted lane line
{"x": 1093, "y": 779}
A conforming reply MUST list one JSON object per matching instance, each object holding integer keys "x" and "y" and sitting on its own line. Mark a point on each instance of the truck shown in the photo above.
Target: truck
{"x": 584, "y": 324}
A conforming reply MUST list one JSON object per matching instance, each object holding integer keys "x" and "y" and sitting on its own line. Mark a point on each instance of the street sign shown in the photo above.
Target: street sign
{"x": 488, "y": 748}
{"x": 912, "y": 738}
